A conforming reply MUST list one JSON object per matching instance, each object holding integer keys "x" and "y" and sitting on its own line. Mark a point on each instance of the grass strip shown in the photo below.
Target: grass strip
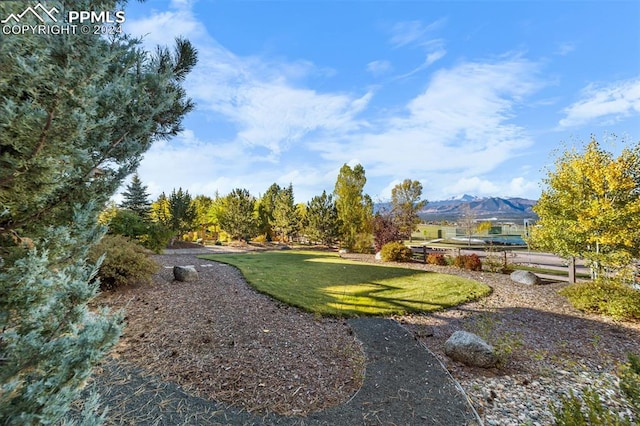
{"x": 324, "y": 283}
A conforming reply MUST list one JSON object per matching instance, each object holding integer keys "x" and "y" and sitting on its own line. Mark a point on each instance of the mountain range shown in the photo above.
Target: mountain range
{"x": 482, "y": 208}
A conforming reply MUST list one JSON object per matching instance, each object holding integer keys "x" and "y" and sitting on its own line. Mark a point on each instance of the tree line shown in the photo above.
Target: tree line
{"x": 344, "y": 216}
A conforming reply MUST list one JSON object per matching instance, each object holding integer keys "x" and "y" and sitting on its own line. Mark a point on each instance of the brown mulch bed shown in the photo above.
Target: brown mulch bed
{"x": 221, "y": 340}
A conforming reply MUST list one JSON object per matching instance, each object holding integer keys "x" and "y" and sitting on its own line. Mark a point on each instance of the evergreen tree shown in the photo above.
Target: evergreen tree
{"x": 355, "y": 209}
{"x": 78, "y": 112}
{"x": 266, "y": 205}
{"x": 136, "y": 198}
{"x": 182, "y": 212}
{"x": 285, "y": 214}
{"x": 237, "y": 217}
{"x": 322, "y": 219}
{"x": 159, "y": 211}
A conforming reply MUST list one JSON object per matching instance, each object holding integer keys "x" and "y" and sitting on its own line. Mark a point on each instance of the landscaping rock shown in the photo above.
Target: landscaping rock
{"x": 185, "y": 273}
{"x": 378, "y": 256}
{"x": 470, "y": 349}
{"x": 525, "y": 277}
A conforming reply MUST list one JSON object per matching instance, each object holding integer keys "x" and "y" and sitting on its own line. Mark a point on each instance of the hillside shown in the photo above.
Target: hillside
{"x": 482, "y": 208}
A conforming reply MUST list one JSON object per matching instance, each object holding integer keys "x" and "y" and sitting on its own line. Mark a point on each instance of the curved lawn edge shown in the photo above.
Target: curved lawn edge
{"x": 326, "y": 284}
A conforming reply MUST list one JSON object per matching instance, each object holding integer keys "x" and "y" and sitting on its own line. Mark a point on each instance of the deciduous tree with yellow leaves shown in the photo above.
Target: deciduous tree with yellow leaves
{"x": 591, "y": 207}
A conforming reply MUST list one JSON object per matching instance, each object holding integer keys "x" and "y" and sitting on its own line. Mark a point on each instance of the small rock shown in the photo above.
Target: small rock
{"x": 470, "y": 349}
{"x": 525, "y": 277}
{"x": 378, "y": 256}
{"x": 185, "y": 273}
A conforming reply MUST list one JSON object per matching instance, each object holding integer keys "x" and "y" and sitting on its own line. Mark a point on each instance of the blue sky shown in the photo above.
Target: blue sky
{"x": 466, "y": 97}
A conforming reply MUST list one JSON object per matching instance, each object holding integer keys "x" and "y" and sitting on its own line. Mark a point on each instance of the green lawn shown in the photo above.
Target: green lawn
{"x": 324, "y": 283}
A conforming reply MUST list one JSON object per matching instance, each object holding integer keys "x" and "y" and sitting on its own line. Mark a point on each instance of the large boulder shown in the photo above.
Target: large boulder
{"x": 525, "y": 277}
{"x": 185, "y": 273}
{"x": 470, "y": 349}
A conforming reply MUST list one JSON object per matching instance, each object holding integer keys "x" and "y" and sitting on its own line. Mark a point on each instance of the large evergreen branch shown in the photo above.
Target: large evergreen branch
{"x": 68, "y": 194}
{"x": 41, "y": 143}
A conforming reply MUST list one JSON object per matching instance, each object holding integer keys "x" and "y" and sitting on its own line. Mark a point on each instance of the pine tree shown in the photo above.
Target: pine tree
{"x": 182, "y": 212}
{"x": 322, "y": 219}
{"x": 237, "y": 217}
{"x": 136, "y": 198}
{"x": 78, "y": 112}
{"x": 285, "y": 214}
{"x": 266, "y": 205}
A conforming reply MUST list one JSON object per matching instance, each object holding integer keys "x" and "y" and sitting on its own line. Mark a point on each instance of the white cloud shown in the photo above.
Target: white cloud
{"x": 609, "y": 103}
{"x": 458, "y": 127}
{"x": 413, "y": 32}
{"x": 260, "y": 98}
{"x": 434, "y": 56}
{"x": 565, "y": 48}
{"x": 473, "y": 185}
{"x": 487, "y": 187}
{"x": 460, "y": 122}
{"x": 162, "y": 28}
{"x": 378, "y": 68}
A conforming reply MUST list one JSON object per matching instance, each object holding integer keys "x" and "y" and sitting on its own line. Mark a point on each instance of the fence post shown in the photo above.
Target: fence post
{"x": 572, "y": 270}
{"x": 424, "y": 254}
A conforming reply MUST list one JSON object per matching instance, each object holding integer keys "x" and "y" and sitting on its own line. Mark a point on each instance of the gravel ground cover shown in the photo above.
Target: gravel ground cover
{"x": 549, "y": 348}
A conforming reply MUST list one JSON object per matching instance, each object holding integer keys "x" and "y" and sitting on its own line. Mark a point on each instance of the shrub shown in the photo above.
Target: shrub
{"x": 262, "y": 238}
{"x": 396, "y": 252}
{"x": 468, "y": 261}
{"x": 589, "y": 410}
{"x": 606, "y": 297}
{"x": 504, "y": 342}
{"x": 157, "y": 237}
{"x": 630, "y": 382}
{"x": 125, "y": 262}
{"x": 384, "y": 230}
{"x": 436, "y": 259}
{"x": 127, "y": 223}
{"x": 585, "y": 410}
{"x": 363, "y": 243}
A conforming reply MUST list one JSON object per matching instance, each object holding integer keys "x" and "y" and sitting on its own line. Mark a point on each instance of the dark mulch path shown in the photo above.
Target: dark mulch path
{"x": 404, "y": 384}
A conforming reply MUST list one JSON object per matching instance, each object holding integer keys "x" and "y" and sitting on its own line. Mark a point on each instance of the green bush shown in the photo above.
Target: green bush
{"x": 156, "y": 238}
{"x": 605, "y": 297}
{"x": 436, "y": 259}
{"x": 589, "y": 410}
{"x": 468, "y": 261}
{"x": 363, "y": 243}
{"x": 630, "y": 382}
{"x": 127, "y": 223}
{"x": 125, "y": 262}
{"x": 584, "y": 411}
{"x": 396, "y": 252}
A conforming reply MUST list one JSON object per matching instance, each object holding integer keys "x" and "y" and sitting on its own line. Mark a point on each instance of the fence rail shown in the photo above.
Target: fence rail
{"x": 508, "y": 255}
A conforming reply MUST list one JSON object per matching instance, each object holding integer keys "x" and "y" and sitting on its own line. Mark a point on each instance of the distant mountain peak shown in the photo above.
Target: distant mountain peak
{"x": 455, "y": 207}
{"x": 463, "y": 197}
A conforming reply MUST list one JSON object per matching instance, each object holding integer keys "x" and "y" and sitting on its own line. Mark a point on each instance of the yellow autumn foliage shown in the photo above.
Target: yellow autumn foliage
{"x": 591, "y": 207}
